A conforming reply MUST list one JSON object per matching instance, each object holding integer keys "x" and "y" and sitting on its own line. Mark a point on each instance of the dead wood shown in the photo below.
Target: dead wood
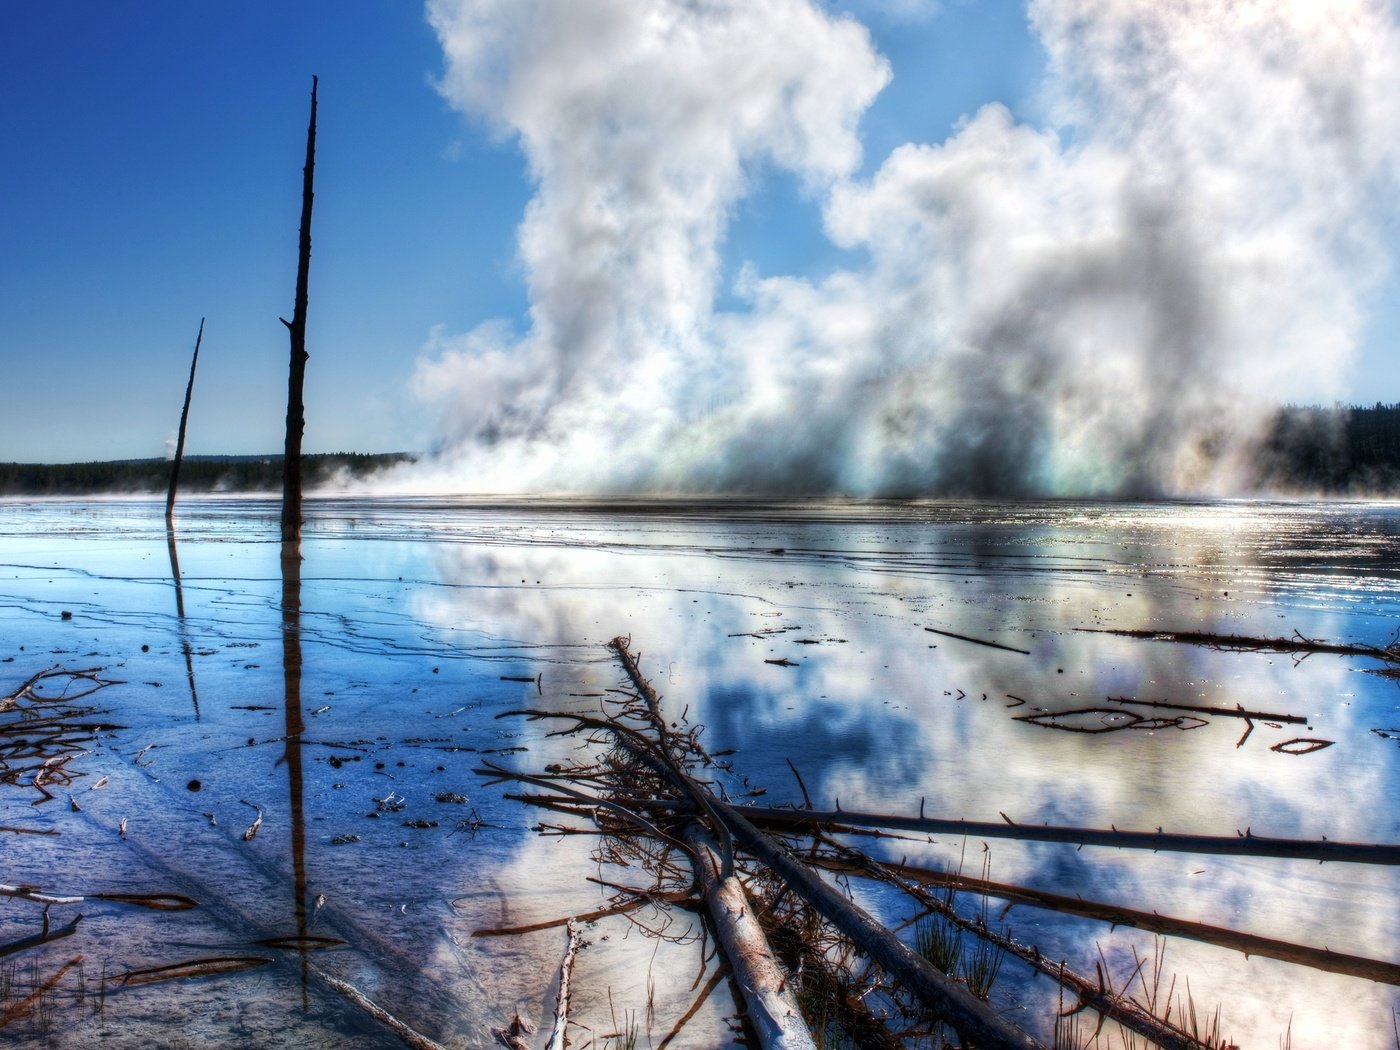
{"x": 212, "y": 966}
{"x": 296, "y": 328}
{"x": 1152, "y": 922}
{"x": 638, "y": 901}
{"x": 701, "y": 797}
{"x": 1096, "y": 995}
{"x": 32, "y": 893}
{"x": 977, "y": 641}
{"x": 154, "y": 901}
{"x": 557, "y": 1039}
{"x": 767, "y": 993}
{"x": 180, "y": 438}
{"x": 1246, "y": 643}
{"x": 1245, "y": 844}
{"x": 17, "y": 1010}
{"x": 409, "y": 1036}
{"x": 1225, "y": 712}
{"x": 301, "y": 942}
{"x": 25, "y": 943}
{"x": 720, "y": 973}
{"x": 1301, "y": 745}
{"x": 943, "y": 997}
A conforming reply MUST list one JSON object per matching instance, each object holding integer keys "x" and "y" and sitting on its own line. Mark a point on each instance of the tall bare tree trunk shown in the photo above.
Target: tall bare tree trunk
{"x": 184, "y": 418}
{"x": 296, "y": 409}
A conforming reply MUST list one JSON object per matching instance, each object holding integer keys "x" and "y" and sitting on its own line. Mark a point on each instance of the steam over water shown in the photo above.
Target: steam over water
{"x": 1109, "y": 303}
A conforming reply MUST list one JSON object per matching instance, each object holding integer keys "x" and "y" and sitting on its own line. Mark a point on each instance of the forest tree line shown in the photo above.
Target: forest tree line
{"x": 197, "y": 474}
{"x": 1345, "y": 450}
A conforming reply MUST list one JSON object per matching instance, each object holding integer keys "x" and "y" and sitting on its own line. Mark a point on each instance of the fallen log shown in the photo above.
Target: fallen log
{"x": 698, "y": 795}
{"x": 1153, "y": 922}
{"x": 951, "y": 1002}
{"x": 561, "y": 997}
{"x": 767, "y": 993}
{"x": 1244, "y": 844}
{"x": 1246, "y": 643}
{"x": 25, "y": 943}
{"x": 1096, "y": 995}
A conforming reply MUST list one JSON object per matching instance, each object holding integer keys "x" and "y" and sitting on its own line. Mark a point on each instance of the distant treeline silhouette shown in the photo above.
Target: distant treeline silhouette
{"x": 198, "y": 474}
{"x": 1342, "y": 450}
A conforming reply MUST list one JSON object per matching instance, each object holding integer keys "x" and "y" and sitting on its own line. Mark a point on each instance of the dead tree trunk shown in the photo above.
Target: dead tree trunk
{"x": 180, "y": 438}
{"x": 296, "y": 376}
{"x": 951, "y": 1002}
{"x": 768, "y": 995}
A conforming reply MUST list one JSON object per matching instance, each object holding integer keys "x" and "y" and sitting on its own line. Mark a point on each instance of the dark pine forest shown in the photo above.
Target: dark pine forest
{"x": 198, "y": 474}
{"x": 1343, "y": 450}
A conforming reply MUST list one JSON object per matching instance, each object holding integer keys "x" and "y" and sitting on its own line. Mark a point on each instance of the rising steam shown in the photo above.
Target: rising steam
{"x": 1106, "y": 305}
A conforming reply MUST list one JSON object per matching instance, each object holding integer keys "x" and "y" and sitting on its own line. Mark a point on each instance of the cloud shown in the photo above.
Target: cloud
{"x": 1107, "y": 305}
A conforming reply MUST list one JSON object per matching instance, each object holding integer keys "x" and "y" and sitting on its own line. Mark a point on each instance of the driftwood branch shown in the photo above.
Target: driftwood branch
{"x": 977, "y": 641}
{"x": 1095, "y": 995}
{"x": 17, "y": 1010}
{"x": 949, "y": 1000}
{"x": 1243, "y": 845}
{"x": 25, "y": 943}
{"x": 701, "y": 797}
{"x": 1153, "y": 922}
{"x": 561, "y": 998}
{"x": 1246, "y": 643}
{"x": 409, "y": 1036}
{"x": 1225, "y": 712}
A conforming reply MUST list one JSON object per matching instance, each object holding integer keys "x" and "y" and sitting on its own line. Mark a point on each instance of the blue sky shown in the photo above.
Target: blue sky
{"x": 152, "y": 177}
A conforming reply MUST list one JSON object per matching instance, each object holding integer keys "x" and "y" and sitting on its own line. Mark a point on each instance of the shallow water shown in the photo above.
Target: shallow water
{"x": 339, "y": 706}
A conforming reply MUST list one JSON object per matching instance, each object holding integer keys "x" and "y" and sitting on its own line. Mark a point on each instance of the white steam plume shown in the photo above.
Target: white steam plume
{"x": 1108, "y": 305}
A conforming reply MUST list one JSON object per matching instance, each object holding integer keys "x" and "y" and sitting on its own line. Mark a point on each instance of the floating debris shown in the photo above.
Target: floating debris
{"x": 1301, "y": 746}
{"x": 978, "y": 641}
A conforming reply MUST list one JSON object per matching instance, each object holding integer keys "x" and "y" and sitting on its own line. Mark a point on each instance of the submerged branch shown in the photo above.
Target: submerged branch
{"x": 17, "y": 1010}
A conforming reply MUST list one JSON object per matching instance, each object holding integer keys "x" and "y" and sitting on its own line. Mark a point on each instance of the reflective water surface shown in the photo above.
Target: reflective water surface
{"x": 299, "y": 733}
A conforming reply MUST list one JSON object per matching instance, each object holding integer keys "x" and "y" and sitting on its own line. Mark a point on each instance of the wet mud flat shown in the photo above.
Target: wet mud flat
{"x": 276, "y": 822}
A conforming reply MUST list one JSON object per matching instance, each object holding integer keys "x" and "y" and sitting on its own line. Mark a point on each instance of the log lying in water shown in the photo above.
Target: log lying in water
{"x": 1243, "y": 845}
{"x": 557, "y": 1037}
{"x": 767, "y": 992}
{"x": 652, "y": 788}
{"x": 1096, "y": 995}
{"x": 1246, "y": 643}
{"x": 650, "y": 775}
{"x": 973, "y": 1019}
{"x": 1154, "y": 922}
